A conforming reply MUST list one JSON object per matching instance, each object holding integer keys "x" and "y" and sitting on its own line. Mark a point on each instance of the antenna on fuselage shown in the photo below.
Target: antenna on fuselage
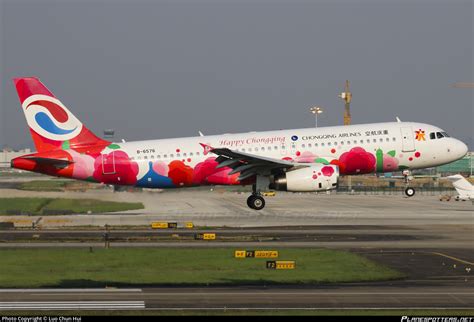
{"x": 398, "y": 120}
{"x": 200, "y": 133}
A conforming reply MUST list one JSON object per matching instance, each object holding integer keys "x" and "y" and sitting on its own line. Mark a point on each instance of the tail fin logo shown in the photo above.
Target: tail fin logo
{"x": 48, "y": 117}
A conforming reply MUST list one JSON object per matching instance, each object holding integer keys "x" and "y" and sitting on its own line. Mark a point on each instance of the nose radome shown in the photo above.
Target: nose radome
{"x": 462, "y": 149}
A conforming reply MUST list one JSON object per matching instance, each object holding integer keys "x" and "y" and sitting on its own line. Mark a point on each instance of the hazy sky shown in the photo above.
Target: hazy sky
{"x": 158, "y": 69}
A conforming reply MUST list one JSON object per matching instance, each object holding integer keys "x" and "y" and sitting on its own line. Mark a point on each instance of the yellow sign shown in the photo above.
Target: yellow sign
{"x": 256, "y": 254}
{"x": 266, "y": 254}
{"x": 189, "y": 225}
{"x": 159, "y": 225}
{"x": 281, "y": 264}
{"x": 239, "y": 254}
{"x": 208, "y": 236}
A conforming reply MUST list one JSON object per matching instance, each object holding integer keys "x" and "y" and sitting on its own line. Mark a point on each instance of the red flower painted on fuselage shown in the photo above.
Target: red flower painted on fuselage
{"x": 180, "y": 174}
{"x": 327, "y": 171}
{"x": 204, "y": 169}
{"x": 115, "y": 168}
{"x": 356, "y": 161}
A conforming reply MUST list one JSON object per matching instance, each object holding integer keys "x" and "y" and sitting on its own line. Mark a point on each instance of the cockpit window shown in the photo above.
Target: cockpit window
{"x": 439, "y": 135}
{"x": 432, "y": 135}
{"x": 445, "y": 134}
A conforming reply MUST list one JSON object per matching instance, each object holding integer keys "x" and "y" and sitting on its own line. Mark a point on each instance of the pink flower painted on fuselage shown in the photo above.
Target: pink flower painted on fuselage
{"x": 160, "y": 168}
{"x": 83, "y": 165}
{"x": 306, "y": 157}
{"x": 117, "y": 169}
{"x": 356, "y": 161}
{"x": 390, "y": 163}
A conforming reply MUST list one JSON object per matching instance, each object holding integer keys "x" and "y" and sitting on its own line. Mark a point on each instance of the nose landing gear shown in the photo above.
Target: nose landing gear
{"x": 409, "y": 192}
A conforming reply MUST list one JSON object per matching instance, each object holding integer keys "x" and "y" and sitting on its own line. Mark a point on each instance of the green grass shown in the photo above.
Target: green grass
{"x": 44, "y": 206}
{"x": 168, "y": 266}
{"x": 44, "y": 185}
{"x": 96, "y": 206}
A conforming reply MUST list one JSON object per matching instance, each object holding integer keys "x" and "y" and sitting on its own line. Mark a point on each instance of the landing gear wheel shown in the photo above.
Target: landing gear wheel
{"x": 409, "y": 192}
{"x": 256, "y": 202}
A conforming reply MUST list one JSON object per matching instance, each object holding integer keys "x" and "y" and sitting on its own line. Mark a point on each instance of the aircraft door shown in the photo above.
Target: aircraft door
{"x": 408, "y": 143}
{"x": 108, "y": 163}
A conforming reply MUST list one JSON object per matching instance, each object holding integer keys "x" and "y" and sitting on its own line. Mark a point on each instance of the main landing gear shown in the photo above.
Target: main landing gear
{"x": 255, "y": 200}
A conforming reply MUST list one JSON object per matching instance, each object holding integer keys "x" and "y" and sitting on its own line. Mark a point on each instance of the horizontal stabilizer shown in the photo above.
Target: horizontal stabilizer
{"x": 59, "y": 163}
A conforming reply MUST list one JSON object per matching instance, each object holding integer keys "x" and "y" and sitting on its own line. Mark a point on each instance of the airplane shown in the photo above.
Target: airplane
{"x": 295, "y": 160}
{"x": 464, "y": 188}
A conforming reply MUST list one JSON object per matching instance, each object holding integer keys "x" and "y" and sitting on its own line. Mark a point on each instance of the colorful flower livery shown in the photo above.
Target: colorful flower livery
{"x": 292, "y": 160}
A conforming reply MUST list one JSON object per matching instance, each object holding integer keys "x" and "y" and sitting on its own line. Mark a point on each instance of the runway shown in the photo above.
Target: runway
{"x": 189, "y": 298}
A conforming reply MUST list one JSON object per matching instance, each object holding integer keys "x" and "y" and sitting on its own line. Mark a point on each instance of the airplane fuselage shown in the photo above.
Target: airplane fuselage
{"x": 180, "y": 162}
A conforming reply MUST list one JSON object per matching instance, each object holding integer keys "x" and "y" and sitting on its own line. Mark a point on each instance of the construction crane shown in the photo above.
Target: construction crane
{"x": 347, "y": 97}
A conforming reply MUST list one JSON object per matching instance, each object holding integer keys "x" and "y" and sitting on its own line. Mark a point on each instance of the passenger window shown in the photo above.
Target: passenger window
{"x": 303, "y": 145}
{"x": 342, "y": 142}
{"x": 349, "y": 142}
{"x": 329, "y": 144}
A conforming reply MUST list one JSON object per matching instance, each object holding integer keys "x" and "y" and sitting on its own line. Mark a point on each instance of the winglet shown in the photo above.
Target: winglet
{"x": 207, "y": 148}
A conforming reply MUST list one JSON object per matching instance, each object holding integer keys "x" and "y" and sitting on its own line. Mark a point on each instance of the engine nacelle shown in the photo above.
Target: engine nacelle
{"x": 312, "y": 178}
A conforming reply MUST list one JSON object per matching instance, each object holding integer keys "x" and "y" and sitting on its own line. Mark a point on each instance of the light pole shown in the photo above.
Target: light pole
{"x": 316, "y": 110}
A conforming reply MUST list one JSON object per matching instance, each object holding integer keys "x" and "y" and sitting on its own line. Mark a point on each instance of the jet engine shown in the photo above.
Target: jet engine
{"x": 307, "y": 178}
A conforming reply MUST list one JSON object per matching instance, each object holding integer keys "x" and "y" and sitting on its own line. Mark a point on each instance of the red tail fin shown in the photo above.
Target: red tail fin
{"x": 52, "y": 125}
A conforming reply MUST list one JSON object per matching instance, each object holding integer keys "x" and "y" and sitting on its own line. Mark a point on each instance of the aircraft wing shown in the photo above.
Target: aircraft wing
{"x": 248, "y": 164}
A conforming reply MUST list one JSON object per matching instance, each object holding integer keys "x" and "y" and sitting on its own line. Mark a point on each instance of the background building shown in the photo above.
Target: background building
{"x": 6, "y": 155}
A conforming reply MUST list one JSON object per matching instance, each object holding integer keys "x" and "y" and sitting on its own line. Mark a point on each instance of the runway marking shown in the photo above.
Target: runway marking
{"x": 72, "y": 305}
{"x": 303, "y": 308}
{"x": 69, "y": 290}
{"x": 453, "y": 258}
